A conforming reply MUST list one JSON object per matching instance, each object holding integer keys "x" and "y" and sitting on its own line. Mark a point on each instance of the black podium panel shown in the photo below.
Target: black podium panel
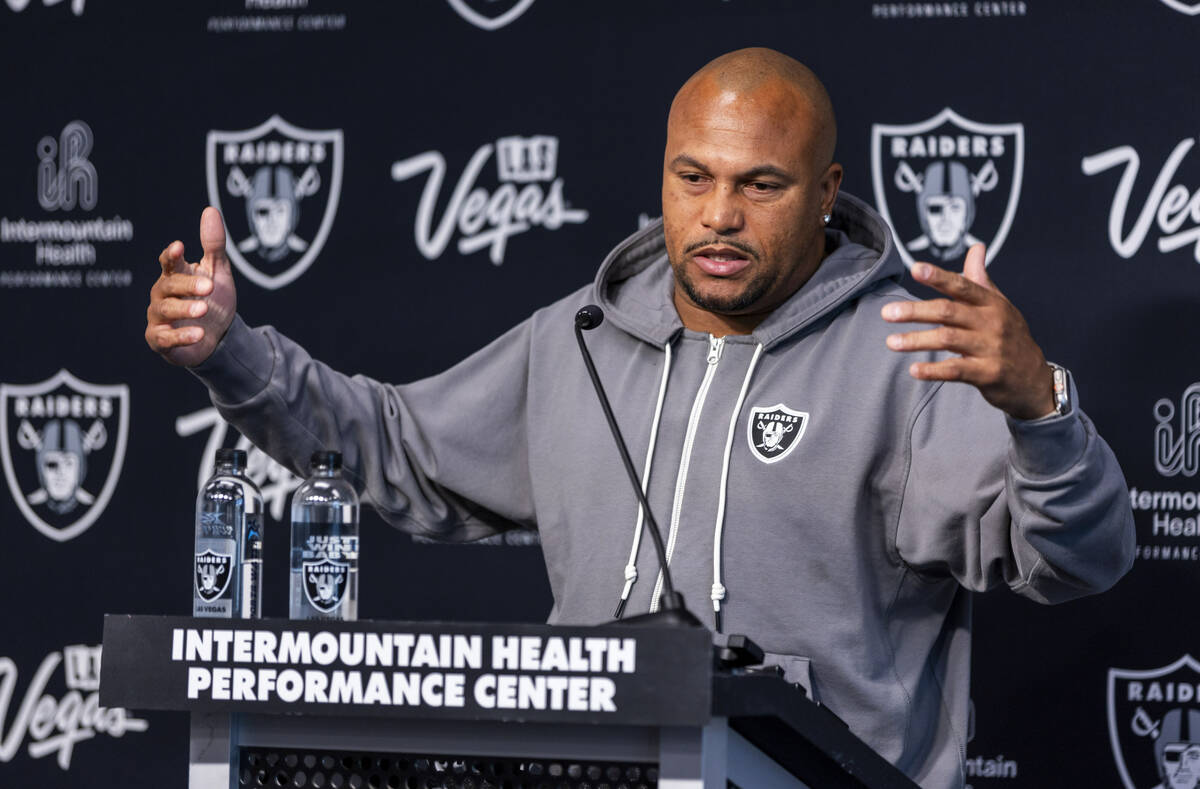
{"x": 426, "y": 704}
{"x": 612, "y": 675}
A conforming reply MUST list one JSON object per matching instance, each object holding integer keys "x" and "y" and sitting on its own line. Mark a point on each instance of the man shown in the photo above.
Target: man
{"x": 840, "y": 540}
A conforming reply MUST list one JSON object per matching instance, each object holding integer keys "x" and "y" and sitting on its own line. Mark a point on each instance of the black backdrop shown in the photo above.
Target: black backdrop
{"x": 107, "y": 113}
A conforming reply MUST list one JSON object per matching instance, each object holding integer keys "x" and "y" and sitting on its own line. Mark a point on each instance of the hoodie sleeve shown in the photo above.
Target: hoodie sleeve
{"x": 1038, "y": 505}
{"x": 445, "y": 457}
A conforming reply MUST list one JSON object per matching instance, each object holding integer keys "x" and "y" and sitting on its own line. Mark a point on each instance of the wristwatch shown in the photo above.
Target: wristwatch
{"x": 1062, "y": 391}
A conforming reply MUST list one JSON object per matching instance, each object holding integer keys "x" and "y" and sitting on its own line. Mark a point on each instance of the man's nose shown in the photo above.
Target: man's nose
{"x": 723, "y": 210}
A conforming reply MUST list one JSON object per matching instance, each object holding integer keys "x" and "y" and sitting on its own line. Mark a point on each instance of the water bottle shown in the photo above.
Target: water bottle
{"x": 324, "y": 543}
{"x": 228, "y": 560}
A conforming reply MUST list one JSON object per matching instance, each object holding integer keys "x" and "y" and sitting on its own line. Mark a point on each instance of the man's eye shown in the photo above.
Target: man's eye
{"x": 692, "y": 178}
{"x": 759, "y": 186}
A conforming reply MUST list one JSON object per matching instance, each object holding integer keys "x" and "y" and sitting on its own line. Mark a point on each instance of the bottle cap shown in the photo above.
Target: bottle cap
{"x": 326, "y": 458}
{"x": 237, "y": 457}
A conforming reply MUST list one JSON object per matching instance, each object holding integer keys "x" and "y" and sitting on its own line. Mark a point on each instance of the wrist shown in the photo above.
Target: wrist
{"x": 1041, "y": 402}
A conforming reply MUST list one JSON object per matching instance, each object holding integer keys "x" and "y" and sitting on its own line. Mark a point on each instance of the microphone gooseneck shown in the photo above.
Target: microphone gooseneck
{"x": 673, "y": 608}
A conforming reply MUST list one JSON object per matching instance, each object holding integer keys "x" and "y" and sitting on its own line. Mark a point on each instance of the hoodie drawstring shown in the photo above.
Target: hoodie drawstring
{"x": 630, "y": 573}
{"x": 631, "y": 566}
{"x": 718, "y": 589}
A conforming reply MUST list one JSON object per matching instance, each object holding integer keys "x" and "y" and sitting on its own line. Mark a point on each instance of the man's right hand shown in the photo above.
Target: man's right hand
{"x": 192, "y": 304}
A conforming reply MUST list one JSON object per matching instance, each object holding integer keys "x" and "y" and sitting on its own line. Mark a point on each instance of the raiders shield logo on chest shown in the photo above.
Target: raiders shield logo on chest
{"x": 774, "y": 431}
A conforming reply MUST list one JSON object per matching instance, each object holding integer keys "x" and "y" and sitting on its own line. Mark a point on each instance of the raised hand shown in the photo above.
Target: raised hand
{"x": 997, "y": 354}
{"x": 192, "y": 304}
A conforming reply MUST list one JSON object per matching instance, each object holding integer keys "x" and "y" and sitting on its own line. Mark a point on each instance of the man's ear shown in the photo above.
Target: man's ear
{"x": 831, "y": 181}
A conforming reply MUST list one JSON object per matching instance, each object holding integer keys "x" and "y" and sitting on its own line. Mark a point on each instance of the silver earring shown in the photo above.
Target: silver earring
{"x": 826, "y": 218}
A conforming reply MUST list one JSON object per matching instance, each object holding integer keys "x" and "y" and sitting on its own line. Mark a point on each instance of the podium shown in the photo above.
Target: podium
{"x": 368, "y": 705}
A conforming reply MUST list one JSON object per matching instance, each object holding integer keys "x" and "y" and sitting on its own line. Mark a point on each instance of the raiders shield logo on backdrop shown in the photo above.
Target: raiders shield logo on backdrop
{"x": 213, "y": 571}
{"x": 774, "y": 431}
{"x": 62, "y": 442}
{"x": 490, "y": 14}
{"x": 1189, "y": 8}
{"x": 1154, "y": 724}
{"x": 946, "y": 183}
{"x": 277, "y": 188}
{"x": 325, "y": 583}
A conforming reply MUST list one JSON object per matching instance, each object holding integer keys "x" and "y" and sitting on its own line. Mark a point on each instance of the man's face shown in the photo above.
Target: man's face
{"x": 947, "y": 217}
{"x": 742, "y": 199}
{"x": 60, "y": 470}
{"x": 272, "y": 221}
{"x": 1181, "y": 765}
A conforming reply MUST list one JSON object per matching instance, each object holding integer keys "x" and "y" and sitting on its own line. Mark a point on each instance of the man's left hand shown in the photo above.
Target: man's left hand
{"x": 997, "y": 354}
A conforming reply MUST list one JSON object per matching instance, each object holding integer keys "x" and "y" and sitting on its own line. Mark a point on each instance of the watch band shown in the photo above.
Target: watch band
{"x": 1062, "y": 390}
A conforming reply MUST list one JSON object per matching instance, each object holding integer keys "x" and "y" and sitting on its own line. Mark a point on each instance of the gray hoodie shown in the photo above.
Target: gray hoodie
{"x": 833, "y": 508}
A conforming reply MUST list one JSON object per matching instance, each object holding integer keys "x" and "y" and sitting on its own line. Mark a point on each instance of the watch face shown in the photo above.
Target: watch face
{"x": 1062, "y": 397}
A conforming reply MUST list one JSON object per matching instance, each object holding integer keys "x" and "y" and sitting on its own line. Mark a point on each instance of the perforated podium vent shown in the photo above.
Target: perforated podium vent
{"x": 304, "y": 769}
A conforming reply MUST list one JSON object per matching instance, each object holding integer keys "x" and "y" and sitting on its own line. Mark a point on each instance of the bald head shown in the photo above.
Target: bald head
{"x": 749, "y": 184}
{"x": 777, "y": 84}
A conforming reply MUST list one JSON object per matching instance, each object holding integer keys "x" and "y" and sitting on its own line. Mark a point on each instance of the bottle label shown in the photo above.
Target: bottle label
{"x": 213, "y": 571}
{"x": 212, "y": 524}
{"x": 252, "y": 545}
{"x": 331, "y": 546}
{"x": 325, "y": 583}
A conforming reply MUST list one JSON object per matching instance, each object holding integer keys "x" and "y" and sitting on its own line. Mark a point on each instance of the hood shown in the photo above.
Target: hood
{"x": 634, "y": 284}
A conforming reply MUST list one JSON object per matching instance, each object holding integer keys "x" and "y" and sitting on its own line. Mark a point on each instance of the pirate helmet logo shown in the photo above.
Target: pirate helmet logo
{"x": 213, "y": 571}
{"x": 62, "y": 443}
{"x": 1154, "y": 725}
{"x": 941, "y": 184}
{"x": 774, "y": 431}
{"x": 325, "y": 583}
{"x": 288, "y": 180}
{"x": 490, "y": 14}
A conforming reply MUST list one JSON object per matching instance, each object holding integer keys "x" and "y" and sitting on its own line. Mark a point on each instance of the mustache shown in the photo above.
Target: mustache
{"x": 722, "y": 242}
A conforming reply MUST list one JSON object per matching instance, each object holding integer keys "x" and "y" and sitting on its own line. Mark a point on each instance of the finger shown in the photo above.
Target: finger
{"x": 164, "y": 338}
{"x": 943, "y": 311}
{"x": 212, "y": 235}
{"x": 972, "y": 371}
{"x": 943, "y": 338}
{"x": 975, "y": 266}
{"x": 186, "y": 285}
{"x": 170, "y": 310}
{"x": 171, "y": 258}
{"x": 956, "y": 286}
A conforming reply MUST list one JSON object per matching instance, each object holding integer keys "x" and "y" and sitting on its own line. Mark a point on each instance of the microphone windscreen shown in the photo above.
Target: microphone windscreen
{"x": 589, "y": 317}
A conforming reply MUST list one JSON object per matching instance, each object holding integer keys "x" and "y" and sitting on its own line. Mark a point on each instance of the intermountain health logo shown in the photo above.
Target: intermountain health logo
{"x": 67, "y": 237}
{"x": 490, "y": 14}
{"x": 62, "y": 443}
{"x": 529, "y": 194}
{"x": 280, "y": 17}
{"x": 277, "y": 187}
{"x": 1168, "y": 521}
{"x": 1154, "y": 725}
{"x": 946, "y": 183}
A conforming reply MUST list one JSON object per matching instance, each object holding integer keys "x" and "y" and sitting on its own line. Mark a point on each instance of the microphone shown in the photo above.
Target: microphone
{"x": 673, "y": 610}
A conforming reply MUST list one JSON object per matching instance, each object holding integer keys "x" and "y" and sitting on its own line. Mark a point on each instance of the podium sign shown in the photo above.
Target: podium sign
{"x": 427, "y": 670}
